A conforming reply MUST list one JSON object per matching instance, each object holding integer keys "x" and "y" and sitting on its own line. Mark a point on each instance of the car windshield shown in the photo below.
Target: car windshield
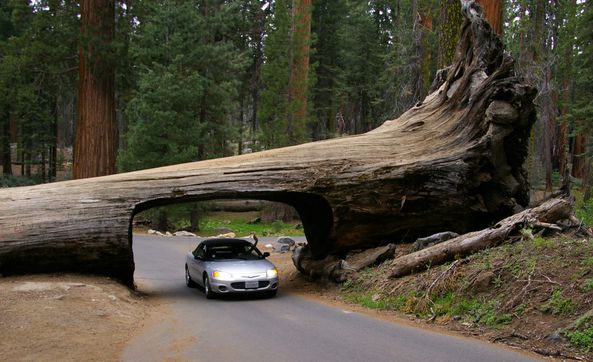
{"x": 236, "y": 251}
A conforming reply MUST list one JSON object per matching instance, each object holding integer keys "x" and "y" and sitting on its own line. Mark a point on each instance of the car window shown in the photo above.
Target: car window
{"x": 199, "y": 251}
{"x": 236, "y": 251}
{"x": 249, "y": 252}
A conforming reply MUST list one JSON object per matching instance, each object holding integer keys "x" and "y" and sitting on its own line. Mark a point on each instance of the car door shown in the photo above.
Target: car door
{"x": 197, "y": 266}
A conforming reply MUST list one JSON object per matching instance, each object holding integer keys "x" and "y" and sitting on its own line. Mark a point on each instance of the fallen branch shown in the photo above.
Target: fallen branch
{"x": 548, "y": 213}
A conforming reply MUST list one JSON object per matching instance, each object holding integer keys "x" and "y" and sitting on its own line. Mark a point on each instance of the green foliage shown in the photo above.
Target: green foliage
{"x": 472, "y": 310}
{"x": 588, "y": 261}
{"x": 38, "y": 47}
{"x": 188, "y": 74}
{"x": 355, "y": 292}
{"x": 275, "y": 107}
{"x": 582, "y": 339}
{"x": 14, "y": 181}
{"x": 582, "y": 333}
{"x": 558, "y": 304}
{"x": 327, "y": 20}
{"x": 448, "y": 304}
{"x": 362, "y": 60}
{"x": 588, "y": 285}
{"x": 543, "y": 243}
{"x": 584, "y": 210}
{"x": 211, "y": 226}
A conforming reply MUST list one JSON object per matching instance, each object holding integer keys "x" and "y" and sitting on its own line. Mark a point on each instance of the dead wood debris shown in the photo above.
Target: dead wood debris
{"x": 551, "y": 215}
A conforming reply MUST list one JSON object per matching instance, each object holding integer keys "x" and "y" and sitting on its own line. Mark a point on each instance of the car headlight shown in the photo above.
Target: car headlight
{"x": 222, "y": 275}
{"x": 271, "y": 273}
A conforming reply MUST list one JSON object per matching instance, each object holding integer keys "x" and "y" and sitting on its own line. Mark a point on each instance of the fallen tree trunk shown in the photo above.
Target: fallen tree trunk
{"x": 339, "y": 270}
{"x": 452, "y": 162}
{"x": 543, "y": 216}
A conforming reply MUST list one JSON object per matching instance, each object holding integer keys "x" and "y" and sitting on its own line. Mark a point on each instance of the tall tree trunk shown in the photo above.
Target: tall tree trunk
{"x": 194, "y": 217}
{"x": 548, "y": 99}
{"x": 53, "y": 148}
{"x": 587, "y": 178}
{"x": 257, "y": 34}
{"x": 450, "y": 20}
{"x": 547, "y": 103}
{"x": 493, "y": 14}
{"x": 564, "y": 162}
{"x": 579, "y": 165}
{"x": 422, "y": 56}
{"x": 5, "y": 144}
{"x": 299, "y": 78}
{"x": 95, "y": 146}
{"x": 42, "y": 167}
{"x": 27, "y": 161}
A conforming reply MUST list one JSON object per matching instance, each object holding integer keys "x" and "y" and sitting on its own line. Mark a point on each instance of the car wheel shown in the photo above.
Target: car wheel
{"x": 207, "y": 289}
{"x": 188, "y": 280}
{"x": 272, "y": 293}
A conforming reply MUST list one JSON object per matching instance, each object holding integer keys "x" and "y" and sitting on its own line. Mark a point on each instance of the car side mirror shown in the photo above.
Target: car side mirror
{"x": 266, "y": 254}
{"x": 198, "y": 257}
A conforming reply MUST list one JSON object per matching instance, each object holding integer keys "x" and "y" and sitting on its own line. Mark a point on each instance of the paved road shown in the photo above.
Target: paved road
{"x": 285, "y": 328}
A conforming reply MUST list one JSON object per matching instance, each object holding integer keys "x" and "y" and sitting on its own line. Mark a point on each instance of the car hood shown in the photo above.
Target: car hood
{"x": 241, "y": 266}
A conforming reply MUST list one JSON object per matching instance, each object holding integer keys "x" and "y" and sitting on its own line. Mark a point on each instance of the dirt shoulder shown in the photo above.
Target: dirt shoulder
{"x": 67, "y": 318}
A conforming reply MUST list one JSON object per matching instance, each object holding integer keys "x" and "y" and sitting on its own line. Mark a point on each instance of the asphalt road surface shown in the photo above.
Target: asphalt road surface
{"x": 284, "y": 328}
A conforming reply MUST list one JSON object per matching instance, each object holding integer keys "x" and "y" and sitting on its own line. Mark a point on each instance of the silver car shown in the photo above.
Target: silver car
{"x": 224, "y": 266}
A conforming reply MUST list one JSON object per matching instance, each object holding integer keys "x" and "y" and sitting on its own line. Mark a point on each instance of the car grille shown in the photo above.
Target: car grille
{"x": 241, "y": 285}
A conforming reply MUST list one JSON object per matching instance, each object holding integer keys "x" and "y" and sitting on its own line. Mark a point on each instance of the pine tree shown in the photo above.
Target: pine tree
{"x": 362, "y": 59}
{"x": 327, "y": 16}
{"x": 38, "y": 63}
{"x": 253, "y": 23}
{"x": 189, "y": 71}
{"x": 6, "y": 31}
{"x": 275, "y": 107}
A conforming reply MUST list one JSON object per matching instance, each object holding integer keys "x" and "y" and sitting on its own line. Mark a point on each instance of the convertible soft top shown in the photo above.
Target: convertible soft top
{"x": 225, "y": 241}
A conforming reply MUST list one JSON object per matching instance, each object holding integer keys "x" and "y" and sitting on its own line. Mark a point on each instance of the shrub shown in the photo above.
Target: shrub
{"x": 558, "y": 304}
{"x": 15, "y": 181}
{"x": 582, "y": 338}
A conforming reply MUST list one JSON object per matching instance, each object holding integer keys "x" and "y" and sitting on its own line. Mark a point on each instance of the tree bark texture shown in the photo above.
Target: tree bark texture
{"x": 5, "y": 146}
{"x": 543, "y": 216}
{"x": 95, "y": 147}
{"x": 452, "y": 162}
{"x": 493, "y": 14}
{"x": 299, "y": 72}
{"x": 450, "y": 20}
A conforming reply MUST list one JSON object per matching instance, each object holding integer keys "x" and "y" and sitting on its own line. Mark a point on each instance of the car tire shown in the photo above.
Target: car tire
{"x": 188, "y": 280}
{"x": 208, "y": 289}
{"x": 272, "y": 293}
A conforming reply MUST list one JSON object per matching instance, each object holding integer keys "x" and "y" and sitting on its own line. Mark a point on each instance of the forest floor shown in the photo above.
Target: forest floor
{"x": 520, "y": 295}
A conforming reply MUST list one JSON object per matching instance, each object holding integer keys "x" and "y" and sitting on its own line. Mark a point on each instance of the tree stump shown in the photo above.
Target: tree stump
{"x": 452, "y": 162}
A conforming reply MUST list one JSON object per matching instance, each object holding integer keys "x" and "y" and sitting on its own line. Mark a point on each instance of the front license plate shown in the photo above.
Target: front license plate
{"x": 251, "y": 285}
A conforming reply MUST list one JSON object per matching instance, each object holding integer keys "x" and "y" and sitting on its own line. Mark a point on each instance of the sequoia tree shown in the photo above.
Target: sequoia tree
{"x": 493, "y": 14}
{"x": 298, "y": 91}
{"x": 95, "y": 146}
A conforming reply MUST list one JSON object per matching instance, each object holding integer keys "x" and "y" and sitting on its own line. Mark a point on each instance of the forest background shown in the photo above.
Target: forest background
{"x": 94, "y": 87}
